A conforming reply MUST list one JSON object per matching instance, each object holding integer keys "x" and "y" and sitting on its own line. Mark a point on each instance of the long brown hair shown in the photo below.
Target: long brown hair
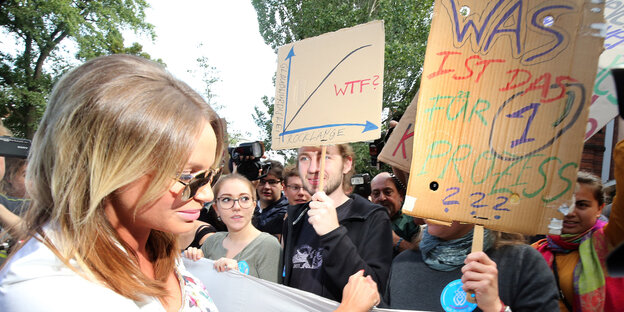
{"x": 109, "y": 122}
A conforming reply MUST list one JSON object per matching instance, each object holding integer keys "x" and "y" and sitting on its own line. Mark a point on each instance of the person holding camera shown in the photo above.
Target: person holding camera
{"x": 271, "y": 208}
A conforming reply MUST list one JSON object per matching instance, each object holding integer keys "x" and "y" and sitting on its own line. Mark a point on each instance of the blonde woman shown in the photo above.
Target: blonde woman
{"x": 121, "y": 162}
{"x": 242, "y": 247}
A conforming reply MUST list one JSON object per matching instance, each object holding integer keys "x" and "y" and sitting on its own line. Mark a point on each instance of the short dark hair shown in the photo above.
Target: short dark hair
{"x": 290, "y": 171}
{"x": 276, "y": 168}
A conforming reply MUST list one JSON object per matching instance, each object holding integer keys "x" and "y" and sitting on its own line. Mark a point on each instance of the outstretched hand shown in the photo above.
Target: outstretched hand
{"x": 480, "y": 275}
{"x": 360, "y": 294}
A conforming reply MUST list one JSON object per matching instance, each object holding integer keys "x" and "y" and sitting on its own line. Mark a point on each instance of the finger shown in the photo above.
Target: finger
{"x": 480, "y": 257}
{"x": 480, "y": 268}
{"x": 319, "y": 196}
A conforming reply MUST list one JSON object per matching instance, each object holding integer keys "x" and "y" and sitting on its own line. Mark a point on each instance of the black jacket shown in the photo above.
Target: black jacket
{"x": 271, "y": 218}
{"x": 363, "y": 241}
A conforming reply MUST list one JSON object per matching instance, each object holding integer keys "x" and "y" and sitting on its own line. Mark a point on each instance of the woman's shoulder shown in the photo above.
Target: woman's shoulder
{"x": 267, "y": 239}
{"x": 34, "y": 271}
{"x": 215, "y": 238}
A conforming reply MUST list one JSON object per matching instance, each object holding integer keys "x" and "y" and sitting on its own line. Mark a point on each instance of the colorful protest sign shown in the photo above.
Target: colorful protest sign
{"x": 604, "y": 100}
{"x": 502, "y": 111}
{"x": 329, "y": 88}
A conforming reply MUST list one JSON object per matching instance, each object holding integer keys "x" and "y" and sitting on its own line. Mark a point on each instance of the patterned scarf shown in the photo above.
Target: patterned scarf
{"x": 589, "y": 278}
{"x": 441, "y": 255}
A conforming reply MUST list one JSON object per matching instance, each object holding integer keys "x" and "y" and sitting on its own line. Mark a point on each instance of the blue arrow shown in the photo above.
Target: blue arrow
{"x": 289, "y": 58}
{"x": 320, "y": 84}
{"x": 368, "y": 126}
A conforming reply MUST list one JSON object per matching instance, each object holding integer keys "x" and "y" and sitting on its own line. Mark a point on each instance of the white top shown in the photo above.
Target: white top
{"x": 34, "y": 279}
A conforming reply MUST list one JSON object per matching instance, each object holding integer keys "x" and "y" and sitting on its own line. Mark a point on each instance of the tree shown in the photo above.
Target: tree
{"x": 40, "y": 28}
{"x": 406, "y": 28}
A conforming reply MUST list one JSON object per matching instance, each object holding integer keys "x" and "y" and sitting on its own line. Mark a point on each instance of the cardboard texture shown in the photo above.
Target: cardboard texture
{"x": 329, "y": 88}
{"x": 502, "y": 111}
{"x": 604, "y": 100}
{"x": 397, "y": 152}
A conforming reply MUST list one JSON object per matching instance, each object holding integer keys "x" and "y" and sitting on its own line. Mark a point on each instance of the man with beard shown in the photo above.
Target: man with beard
{"x": 388, "y": 191}
{"x": 341, "y": 234}
{"x": 269, "y": 214}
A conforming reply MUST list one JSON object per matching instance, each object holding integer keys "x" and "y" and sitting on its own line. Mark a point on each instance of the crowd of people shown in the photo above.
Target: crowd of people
{"x": 127, "y": 159}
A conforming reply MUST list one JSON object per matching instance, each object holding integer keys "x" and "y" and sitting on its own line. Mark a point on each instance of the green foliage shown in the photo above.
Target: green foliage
{"x": 406, "y": 28}
{"x": 29, "y": 68}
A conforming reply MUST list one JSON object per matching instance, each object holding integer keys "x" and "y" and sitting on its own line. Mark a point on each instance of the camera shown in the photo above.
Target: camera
{"x": 14, "y": 147}
{"x": 246, "y": 157}
{"x": 361, "y": 184}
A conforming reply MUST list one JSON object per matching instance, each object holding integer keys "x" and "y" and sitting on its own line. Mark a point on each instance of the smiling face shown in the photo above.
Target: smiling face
{"x": 585, "y": 213}
{"x": 236, "y": 218}
{"x": 169, "y": 213}
{"x": 385, "y": 193}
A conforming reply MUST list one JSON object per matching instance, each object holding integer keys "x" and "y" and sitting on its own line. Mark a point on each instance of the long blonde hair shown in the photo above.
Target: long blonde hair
{"x": 109, "y": 122}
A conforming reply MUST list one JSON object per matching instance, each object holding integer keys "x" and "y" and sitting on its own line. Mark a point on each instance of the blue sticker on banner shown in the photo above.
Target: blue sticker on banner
{"x": 454, "y": 298}
{"x": 243, "y": 267}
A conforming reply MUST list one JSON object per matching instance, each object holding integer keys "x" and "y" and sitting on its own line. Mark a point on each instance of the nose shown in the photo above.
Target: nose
{"x": 204, "y": 194}
{"x": 314, "y": 165}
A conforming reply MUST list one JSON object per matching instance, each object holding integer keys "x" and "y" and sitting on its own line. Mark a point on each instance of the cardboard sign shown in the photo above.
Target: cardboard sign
{"x": 604, "y": 100}
{"x": 397, "y": 152}
{"x": 329, "y": 88}
{"x": 502, "y": 111}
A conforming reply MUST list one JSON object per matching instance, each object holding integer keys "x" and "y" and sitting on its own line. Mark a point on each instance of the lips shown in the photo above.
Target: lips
{"x": 189, "y": 215}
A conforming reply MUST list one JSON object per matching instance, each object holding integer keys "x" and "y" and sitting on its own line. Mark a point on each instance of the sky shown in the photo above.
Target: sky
{"x": 226, "y": 33}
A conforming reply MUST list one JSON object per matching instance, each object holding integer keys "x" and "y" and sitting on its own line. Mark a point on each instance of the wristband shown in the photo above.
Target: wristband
{"x": 398, "y": 243}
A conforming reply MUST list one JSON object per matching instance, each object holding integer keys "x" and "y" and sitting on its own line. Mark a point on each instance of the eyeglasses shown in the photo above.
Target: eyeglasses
{"x": 271, "y": 182}
{"x": 245, "y": 202}
{"x": 192, "y": 183}
{"x": 294, "y": 188}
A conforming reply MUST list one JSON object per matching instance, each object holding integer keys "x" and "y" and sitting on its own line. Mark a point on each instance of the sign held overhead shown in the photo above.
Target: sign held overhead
{"x": 502, "y": 111}
{"x": 329, "y": 88}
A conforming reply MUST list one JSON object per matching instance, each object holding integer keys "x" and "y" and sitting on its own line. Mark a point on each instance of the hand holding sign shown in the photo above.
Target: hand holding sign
{"x": 322, "y": 214}
{"x": 480, "y": 276}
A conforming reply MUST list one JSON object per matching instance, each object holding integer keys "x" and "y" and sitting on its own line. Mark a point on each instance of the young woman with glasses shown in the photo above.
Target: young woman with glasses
{"x": 242, "y": 247}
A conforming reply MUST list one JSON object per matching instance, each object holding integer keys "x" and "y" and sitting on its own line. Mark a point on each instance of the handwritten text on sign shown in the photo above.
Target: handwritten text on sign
{"x": 501, "y": 114}
{"x": 329, "y": 88}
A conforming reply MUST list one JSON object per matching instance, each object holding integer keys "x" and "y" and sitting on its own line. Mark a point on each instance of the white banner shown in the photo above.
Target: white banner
{"x": 233, "y": 291}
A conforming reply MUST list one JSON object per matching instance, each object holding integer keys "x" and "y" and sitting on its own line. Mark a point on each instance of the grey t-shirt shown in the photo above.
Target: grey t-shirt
{"x": 261, "y": 256}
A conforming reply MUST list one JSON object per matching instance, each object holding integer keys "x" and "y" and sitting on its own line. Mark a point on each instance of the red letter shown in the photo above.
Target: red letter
{"x": 362, "y": 84}
{"x": 559, "y": 82}
{"x": 544, "y": 86}
{"x": 485, "y": 65}
{"x": 513, "y": 78}
{"x": 467, "y": 68}
{"x": 406, "y": 136}
{"x": 442, "y": 71}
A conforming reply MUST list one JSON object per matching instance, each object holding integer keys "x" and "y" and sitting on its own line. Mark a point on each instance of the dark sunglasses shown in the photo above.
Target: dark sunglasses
{"x": 195, "y": 182}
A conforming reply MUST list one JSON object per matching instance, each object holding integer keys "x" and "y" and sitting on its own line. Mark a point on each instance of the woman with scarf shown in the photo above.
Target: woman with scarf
{"x": 507, "y": 276}
{"x": 577, "y": 256}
